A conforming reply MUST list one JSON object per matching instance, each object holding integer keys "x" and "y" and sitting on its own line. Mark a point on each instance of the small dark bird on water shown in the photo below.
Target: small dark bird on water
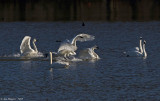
{"x": 83, "y": 24}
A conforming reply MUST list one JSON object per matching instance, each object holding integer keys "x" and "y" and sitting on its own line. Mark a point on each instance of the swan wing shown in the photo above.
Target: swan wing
{"x": 85, "y": 37}
{"x": 136, "y": 48}
{"x": 66, "y": 46}
{"x": 25, "y": 45}
{"x": 93, "y": 54}
{"x": 133, "y": 53}
{"x": 85, "y": 54}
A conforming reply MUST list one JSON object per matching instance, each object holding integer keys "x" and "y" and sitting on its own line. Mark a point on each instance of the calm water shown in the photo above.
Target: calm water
{"x": 113, "y": 78}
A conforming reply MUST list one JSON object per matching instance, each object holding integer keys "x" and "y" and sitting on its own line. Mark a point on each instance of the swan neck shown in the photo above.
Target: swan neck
{"x": 92, "y": 49}
{"x": 145, "y": 54}
{"x": 74, "y": 41}
{"x": 140, "y": 46}
{"x": 35, "y": 48}
{"x": 50, "y": 57}
{"x": 94, "y": 53}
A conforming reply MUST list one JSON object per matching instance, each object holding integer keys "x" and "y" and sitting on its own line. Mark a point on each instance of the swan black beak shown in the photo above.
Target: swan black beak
{"x": 45, "y": 55}
{"x": 97, "y": 47}
{"x": 58, "y": 41}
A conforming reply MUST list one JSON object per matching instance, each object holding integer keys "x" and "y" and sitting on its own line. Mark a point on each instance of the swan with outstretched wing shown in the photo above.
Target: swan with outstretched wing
{"x": 71, "y": 46}
{"x": 26, "y": 50}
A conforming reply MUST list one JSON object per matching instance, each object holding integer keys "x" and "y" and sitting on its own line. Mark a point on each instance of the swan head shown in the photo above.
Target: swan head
{"x": 140, "y": 38}
{"x": 84, "y": 37}
{"x": 80, "y": 36}
{"x": 144, "y": 42}
{"x": 95, "y": 47}
{"x": 34, "y": 40}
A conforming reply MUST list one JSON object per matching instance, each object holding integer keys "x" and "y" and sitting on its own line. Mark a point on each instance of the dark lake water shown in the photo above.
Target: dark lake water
{"x": 112, "y": 78}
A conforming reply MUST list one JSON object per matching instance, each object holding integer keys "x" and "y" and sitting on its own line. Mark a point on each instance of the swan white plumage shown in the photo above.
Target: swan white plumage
{"x": 136, "y": 51}
{"x": 89, "y": 53}
{"x": 64, "y": 54}
{"x": 69, "y": 47}
{"x": 26, "y": 50}
{"x": 140, "y": 46}
{"x": 141, "y": 53}
{"x": 144, "y": 50}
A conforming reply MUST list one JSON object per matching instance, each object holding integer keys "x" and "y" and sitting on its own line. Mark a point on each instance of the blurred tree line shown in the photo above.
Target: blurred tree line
{"x": 78, "y": 10}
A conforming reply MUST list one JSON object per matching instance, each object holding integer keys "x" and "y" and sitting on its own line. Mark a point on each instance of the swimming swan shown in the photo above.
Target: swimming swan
{"x": 137, "y": 50}
{"x": 71, "y": 47}
{"x": 138, "y": 53}
{"x": 89, "y": 53}
{"x": 140, "y": 46}
{"x": 144, "y": 50}
{"x": 26, "y": 50}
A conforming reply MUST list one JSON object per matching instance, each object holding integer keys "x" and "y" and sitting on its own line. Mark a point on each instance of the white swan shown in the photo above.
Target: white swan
{"x": 144, "y": 50}
{"x": 69, "y": 48}
{"x": 140, "y": 46}
{"x": 136, "y": 51}
{"x": 142, "y": 53}
{"x": 89, "y": 53}
{"x": 26, "y": 50}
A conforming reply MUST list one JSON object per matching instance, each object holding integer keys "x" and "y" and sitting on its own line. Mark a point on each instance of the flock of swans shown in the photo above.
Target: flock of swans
{"x": 67, "y": 50}
{"x": 65, "y": 53}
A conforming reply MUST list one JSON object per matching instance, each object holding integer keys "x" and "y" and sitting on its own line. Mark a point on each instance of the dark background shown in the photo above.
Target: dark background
{"x": 79, "y": 10}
